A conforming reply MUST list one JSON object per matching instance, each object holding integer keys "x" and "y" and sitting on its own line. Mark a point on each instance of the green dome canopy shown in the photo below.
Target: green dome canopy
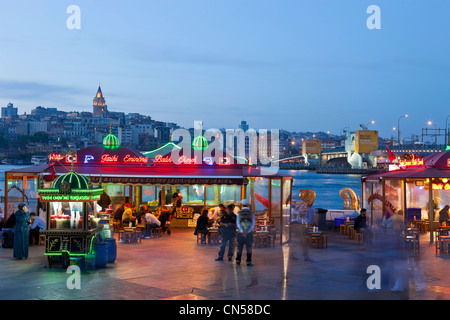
{"x": 200, "y": 143}
{"x": 111, "y": 142}
{"x": 75, "y": 180}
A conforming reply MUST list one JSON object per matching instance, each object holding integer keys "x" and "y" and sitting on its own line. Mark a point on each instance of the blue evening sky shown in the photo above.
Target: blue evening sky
{"x": 279, "y": 64}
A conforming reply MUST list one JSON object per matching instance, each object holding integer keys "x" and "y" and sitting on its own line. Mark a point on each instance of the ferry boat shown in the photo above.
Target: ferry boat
{"x": 36, "y": 160}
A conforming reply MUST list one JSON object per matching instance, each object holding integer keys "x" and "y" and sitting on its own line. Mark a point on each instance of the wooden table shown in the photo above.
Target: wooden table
{"x": 213, "y": 236}
{"x": 316, "y": 239}
{"x": 262, "y": 239}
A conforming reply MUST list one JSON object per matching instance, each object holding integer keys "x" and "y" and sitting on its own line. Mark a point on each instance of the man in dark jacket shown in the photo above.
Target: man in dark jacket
{"x": 361, "y": 221}
{"x": 245, "y": 222}
{"x": 227, "y": 228}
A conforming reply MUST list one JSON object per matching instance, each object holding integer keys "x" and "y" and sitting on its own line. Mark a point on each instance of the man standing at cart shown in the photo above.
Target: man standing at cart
{"x": 227, "y": 227}
{"x": 245, "y": 222}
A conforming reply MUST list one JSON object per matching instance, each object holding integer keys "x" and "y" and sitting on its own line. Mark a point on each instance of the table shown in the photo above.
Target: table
{"x": 130, "y": 235}
{"x": 442, "y": 244}
{"x": 316, "y": 239}
{"x": 262, "y": 239}
{"x": 213, "y": 236}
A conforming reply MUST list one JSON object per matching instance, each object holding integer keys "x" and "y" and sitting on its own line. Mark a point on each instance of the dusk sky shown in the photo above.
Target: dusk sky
{"x": 286, "y": 64}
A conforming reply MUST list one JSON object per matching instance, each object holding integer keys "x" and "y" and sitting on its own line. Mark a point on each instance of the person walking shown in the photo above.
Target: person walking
{"x": 245, "y": 222}
{"x": 21, "y": 234}
{"x": 227, "y": 227}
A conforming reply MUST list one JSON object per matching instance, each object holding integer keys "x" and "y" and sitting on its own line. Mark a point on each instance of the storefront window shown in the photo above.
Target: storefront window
{"x": 394, "y": 196}
{"x": 275, "y": 212}
{"x": 417, "y": 197}
{"x": 15, "y": 195}
{"x": 116, "y": 194}
{"x": 286, "y": 209}
{"x": 196, "y": 194}
{"x": 373, "y": 200}
{"x": 229, "y": 194}
{"x": 149, "y": 195}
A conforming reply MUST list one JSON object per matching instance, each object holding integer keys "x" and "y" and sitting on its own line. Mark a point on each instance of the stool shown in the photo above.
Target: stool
{"x": 120, "y": 233}
{"x": 325, "y": 238}
{"x": 316, "y": 241}
{"x": 156, "y": 232}
{"x": 351, "y": 232}
{"x": 359, "y": 237}
{"x": 199, "y": 238}
{"x": 342, "y": 229}
{"x": 41, "y": 240}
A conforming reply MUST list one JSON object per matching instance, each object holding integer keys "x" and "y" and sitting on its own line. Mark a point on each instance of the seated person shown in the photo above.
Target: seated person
{"x": 127, "y": 216}
{"x": 151, "y": 222}
{"x": 202, "y": 226}
{"x": 36, "y": 225}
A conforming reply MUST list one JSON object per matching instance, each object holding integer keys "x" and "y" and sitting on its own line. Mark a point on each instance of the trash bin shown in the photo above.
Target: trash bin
{"x": 8, "y": 238}
{"x": 321, "y": 218}
{"x": 77, "y": 261}
{"x": 112, "y": 249}
{"x": 101, "y": 255}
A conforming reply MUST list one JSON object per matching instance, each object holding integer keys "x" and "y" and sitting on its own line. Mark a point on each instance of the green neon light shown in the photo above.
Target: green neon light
{"x": 164, "y": 146}
{"x": 200, "y": 143}
{"x": 111, "y": 142}
{"x": 447, "y": 148}
{"x": 76, "y": 191}
{"x": 70, "y": 197}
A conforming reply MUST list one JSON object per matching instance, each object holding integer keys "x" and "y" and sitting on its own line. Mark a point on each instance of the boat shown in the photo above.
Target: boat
{"x": 36, "y": 160}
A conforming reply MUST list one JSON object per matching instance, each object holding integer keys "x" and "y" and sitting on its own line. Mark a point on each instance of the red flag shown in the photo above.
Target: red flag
{"x": 392, "y": 156}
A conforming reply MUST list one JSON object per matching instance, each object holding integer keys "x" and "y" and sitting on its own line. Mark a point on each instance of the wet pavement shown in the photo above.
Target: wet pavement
{"x": 176, "y": 267}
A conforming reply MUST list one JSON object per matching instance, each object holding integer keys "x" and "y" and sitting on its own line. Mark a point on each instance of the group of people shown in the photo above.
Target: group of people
{"x": 26, "y": 228}
{"x": 144, "y": 216}
{"x": 230, "y": 220}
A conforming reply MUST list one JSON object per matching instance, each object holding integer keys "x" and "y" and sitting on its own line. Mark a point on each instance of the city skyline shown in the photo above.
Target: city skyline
{"x": 295, "y": 66}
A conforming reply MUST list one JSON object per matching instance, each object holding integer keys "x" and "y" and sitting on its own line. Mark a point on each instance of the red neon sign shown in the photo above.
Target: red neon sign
{"x": 135, "y": 159}
{"x": 107, "y": 158}
{"x": 181, "y": 159}
{"x": 55, "y": 157}
{"x": 440, "y": 186}
{"x": 411, "y": 162}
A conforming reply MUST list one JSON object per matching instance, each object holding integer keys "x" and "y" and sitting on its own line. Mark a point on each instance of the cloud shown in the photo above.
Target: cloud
{"x": 35, "y": 91}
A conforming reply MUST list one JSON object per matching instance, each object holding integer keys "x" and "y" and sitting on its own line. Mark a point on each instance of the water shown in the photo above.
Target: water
{"x": 326, "y": 186}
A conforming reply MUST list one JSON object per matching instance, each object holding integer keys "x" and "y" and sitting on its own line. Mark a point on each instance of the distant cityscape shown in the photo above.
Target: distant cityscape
{"x": 49, "y": 130}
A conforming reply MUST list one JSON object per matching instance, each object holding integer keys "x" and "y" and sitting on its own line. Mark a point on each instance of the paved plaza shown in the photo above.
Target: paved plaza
{"x": 176, "y": 267}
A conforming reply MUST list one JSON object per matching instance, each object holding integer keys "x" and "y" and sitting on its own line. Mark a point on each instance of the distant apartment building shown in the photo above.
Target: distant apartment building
{"x": 9, "y": 111}
{"x": 30, "y": 127}
{"x": 42, "y": 112}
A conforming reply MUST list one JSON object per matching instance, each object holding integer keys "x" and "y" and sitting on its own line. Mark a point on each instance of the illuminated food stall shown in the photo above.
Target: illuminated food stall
{"x": 72, "y": 223}
{"x": 203, "y": 176}
{"x": 416, "y": 188}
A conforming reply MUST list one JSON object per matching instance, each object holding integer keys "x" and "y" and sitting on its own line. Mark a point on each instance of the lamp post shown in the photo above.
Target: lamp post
{"x": 430, "y": 123}
{"x": 446, "y": 131}
{"x": 398, "y": 126}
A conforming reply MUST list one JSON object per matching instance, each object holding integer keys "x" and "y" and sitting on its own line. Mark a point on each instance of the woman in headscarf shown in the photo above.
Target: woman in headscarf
{"x": 21, "y": 234}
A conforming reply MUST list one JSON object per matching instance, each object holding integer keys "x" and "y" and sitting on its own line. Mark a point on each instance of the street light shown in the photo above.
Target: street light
{"x": 398, "y": 126}
{"x": 446, "y": 131}
{"x": 430, "y": 123}
{"x": 371, "y": 122}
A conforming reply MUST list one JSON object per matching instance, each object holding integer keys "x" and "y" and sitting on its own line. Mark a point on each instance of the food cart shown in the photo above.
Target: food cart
{"x": 72, "y": 225}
